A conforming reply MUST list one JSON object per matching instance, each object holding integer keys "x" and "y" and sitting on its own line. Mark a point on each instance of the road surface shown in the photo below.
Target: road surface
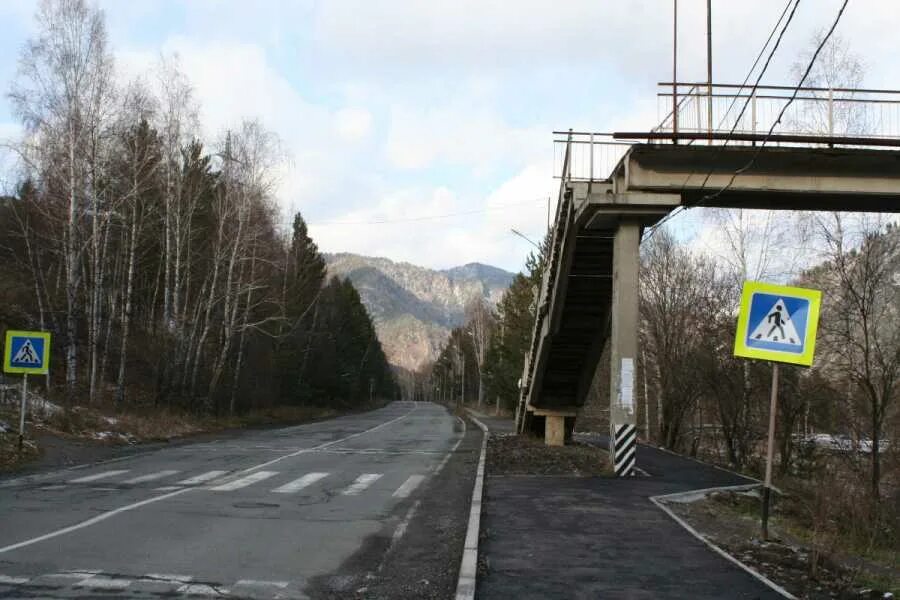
{"x": 257, "y": 515}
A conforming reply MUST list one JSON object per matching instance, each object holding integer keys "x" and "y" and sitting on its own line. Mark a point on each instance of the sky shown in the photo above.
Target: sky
{"x": 421, "y": 131}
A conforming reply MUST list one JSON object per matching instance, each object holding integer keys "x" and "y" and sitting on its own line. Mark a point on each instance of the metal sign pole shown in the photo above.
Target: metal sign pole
{"x": 22, "y": 411}
{"x": 767, "y": 487}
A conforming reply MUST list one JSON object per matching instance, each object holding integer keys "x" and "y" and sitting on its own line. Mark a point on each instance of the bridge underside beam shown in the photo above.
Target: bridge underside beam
{"x": 787, "y": 178}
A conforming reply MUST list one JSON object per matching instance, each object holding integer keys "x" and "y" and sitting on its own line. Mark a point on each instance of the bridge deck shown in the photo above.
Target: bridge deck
{"x": 575, "y": 316}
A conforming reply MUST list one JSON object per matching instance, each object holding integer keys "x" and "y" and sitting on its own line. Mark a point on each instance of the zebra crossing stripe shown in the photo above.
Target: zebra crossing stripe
{"x": 150, "y": 477}
{"x": 244, "y": 481}
{"x": 361, "y": 483}
{"x": 624, "y": 449}
{"x": 202, "y": 478}
{"x": 98, "y": 476}
{"x": 299, "y": 484}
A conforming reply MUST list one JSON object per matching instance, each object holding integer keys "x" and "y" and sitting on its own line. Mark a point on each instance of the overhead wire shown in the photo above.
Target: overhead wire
{"x": 762, "y": 72}
{"x": 422, "y": 218}
{"x": 790, "y": 101}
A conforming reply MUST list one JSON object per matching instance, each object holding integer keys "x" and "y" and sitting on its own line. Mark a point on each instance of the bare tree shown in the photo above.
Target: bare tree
{"x": 61, "y": 92}
{"x": 861, "y": 318}
{"x": 675, "y": 305}
{"x": 480, "y": 322}
{"x": 836, "y": 67}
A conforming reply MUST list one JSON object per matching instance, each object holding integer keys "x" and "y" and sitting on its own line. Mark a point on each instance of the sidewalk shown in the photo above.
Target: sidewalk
{"x": 589, "y": 538}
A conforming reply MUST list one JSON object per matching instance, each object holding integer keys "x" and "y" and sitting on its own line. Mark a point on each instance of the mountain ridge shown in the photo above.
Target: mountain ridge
{"x": 414, "y": 307}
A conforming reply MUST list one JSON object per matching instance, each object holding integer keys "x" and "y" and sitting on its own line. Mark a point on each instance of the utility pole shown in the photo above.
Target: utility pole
{"x": 709, "y": 97}
{"x": 675, "y": 73}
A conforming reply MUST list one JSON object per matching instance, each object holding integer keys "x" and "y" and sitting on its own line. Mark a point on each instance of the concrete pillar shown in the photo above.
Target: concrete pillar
{"x": 623, "y": 344}
{"x": 555, "y": 430}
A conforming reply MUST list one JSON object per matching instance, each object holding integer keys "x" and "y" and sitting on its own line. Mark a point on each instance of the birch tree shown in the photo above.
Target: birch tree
{"x": 60, "y": 93}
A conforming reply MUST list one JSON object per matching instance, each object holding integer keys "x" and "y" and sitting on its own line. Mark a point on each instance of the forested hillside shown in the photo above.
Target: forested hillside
{"x": 414, "y": 307}
{"x": 154, "y": 255}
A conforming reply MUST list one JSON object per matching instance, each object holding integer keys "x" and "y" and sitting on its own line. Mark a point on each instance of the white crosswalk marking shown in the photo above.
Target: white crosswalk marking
{"x": 103, "y": 582}
{"x": 361, "y": 483}
{"x": 98, "y": 476}
{"x": 299, "y": 484}
{"x": 13, "y": 580}
{"x": 408, "y": 486}
{"x": 202, "y": 478}
{"x": 244, "y": 481}
{"x": 151, "y": 476}
{"x": 201, "y": 589}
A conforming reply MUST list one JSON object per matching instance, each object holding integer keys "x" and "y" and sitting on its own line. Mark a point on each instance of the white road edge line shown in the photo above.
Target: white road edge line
{"x": 400, "y": 531}
{"x": 128, "y": 507}
{"x": 659, "y": 501}
{"x": 468, "y": 567}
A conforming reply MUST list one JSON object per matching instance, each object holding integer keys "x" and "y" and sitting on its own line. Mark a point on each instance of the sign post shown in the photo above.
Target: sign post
{"x": 776, "y": 323}
{"x": 26, "y": 352}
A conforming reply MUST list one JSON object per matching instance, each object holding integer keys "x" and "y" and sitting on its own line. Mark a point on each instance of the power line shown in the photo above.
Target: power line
{"x": 765, "y": 67}
{"x": 756, "y": 62}
{"x": 423, "y": 218}
{"x": 756, "y": 86}
{"x": 790, "y": 101}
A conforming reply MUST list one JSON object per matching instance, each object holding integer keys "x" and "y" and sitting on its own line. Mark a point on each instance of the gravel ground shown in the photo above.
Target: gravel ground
{"x": 424, "y": 562}
{"x": 722, "y": 517}
{"x": 510, "y": 454}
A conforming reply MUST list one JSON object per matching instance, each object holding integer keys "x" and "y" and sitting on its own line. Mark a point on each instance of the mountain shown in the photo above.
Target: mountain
{"x": 415, "y": 308}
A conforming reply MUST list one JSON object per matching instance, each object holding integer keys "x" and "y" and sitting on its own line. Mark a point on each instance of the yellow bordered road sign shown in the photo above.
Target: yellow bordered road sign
{"x": 778, "y": 323}
{"x": 27, "y": 352}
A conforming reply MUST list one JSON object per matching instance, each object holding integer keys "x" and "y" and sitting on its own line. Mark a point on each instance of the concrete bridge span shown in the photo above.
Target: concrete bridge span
{"x": 588, "y": 300}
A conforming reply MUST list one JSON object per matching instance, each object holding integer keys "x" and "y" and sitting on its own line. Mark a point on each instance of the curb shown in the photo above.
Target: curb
{"x": 468, "y": 568}
{"x": 659, "y": 501}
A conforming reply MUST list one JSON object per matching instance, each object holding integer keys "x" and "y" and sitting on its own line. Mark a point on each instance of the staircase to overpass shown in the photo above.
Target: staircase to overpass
{"x": 612, "y": 191}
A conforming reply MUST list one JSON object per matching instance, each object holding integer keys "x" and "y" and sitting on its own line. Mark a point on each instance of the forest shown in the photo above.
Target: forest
{"x": 154, "y": 254}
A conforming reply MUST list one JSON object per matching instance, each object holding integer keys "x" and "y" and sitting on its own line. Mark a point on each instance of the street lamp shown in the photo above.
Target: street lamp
{"x": 526, "y": 238}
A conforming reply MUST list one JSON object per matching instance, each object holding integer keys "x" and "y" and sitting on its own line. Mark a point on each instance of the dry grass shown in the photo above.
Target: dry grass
{"x": 798, "y": 556}
{"x": 510, "y": 454}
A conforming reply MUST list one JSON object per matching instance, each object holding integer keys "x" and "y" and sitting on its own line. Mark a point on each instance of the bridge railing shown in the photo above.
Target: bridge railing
{"x": 561, "y": 222}
{"x": 740, "y": 115}
{"x": 807, "y": 111}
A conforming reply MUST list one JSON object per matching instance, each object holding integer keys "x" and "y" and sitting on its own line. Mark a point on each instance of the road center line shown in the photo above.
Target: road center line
{"x": 104, "y": 516}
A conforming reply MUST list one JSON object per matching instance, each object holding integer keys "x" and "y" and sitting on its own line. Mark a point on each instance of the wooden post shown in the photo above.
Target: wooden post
{"x": 770, "y": 451}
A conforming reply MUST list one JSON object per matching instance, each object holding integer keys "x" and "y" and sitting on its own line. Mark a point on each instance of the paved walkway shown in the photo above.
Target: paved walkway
{"x": 581, "y": 538}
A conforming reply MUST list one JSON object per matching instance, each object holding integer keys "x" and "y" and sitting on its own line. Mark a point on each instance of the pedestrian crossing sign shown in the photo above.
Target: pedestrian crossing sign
{"x": 777, "y": 323}
{"x": 27, "y": 352}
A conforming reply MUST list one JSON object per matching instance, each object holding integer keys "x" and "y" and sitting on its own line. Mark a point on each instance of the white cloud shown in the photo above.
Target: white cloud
{"x": 353, "y": 124}
{"x": 464, "y": 131}
{"x": 440, "y": 229}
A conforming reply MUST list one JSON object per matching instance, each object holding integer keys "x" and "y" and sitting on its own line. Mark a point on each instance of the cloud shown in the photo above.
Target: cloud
{"x": 438, "y": 227}
{"x": 465, "y": 131}
{"x": 353, "y": 124}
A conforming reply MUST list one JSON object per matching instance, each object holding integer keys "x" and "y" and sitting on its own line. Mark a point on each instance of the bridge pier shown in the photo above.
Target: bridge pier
{"x": 558, "y": 424}
{"x": 624, "y": 316}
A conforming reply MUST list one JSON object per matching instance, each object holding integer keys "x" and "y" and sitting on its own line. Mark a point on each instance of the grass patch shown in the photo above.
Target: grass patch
{"x": 797, "y": 557}
{"x": 510, "y": 454}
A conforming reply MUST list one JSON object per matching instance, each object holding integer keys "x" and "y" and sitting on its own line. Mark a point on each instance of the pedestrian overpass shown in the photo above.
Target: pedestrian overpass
{"x": 614, "y": 186}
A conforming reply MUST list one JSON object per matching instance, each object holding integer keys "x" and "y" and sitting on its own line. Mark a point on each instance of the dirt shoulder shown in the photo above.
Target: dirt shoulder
{"x": 730, "y": 520}
{"x": 58, "y": 439}
{"x": 510, "y": 454}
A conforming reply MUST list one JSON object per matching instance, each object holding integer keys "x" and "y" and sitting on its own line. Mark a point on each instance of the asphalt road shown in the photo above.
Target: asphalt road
{"x": 257, "y": 515}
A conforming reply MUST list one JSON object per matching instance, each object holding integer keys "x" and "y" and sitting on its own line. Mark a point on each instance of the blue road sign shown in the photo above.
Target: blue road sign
{"x": 27, "y": 352}
{"x": 777, "y": 323}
